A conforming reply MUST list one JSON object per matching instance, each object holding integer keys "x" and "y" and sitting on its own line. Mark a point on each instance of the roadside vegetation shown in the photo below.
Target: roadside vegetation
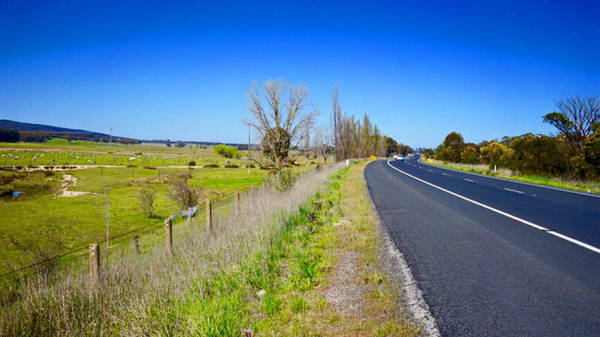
{"x": 204, "y": 288}
{"x": 570, "y": 159}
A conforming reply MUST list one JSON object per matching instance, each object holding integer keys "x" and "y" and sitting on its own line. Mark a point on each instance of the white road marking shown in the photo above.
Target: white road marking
{"x": 511, "y": 190}
{"x": 430, "y": 170}
{"x": 471, "y": 180}
{"x": 588, "y": 194}
{"x": 523, "y": 221}
{"x": 446, "y": 174}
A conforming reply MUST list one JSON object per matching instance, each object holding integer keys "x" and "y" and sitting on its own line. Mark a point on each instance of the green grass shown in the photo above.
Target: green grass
{"x": 80, "y": 220}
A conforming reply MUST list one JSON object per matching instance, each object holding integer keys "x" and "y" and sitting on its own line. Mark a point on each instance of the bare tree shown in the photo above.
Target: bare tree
{"x": 281, "y": 117}
{"x": 321, "y": 142}
{"x": 575, "y": 118}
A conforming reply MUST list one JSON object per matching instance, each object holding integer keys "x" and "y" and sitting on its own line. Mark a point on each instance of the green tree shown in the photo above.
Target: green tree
{"x": 574, "y": 119}
{"x": 452, "y": 147}
{"x": 492, "y": 153}
{"x": 226, "y": 151}
{"x": 470, "y": 155}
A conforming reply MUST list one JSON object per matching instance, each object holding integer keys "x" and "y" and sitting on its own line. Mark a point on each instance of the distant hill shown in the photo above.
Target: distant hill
{"x": 8, "y": 124}
{"x": 41, "y": 132}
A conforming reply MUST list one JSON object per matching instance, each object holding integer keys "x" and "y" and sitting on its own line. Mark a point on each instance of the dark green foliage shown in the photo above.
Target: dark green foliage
{"x": 470, "y": 155}
{"x": 9, "y": 135}
{"x": 452, "y": 147}
{"x": 592, "y": 149}
{"x": 537, "y": 154}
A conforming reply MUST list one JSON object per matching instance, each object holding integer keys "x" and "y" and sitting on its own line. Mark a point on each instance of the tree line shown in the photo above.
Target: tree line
{"x": 14, "y": 136}
{"x": 283, "y": 118}
{"x": 573, "y": 153}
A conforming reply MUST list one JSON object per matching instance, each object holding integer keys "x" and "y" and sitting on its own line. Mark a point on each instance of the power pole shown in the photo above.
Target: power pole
{"x": 248, "y": 148}
{"x": 107, "y": 216}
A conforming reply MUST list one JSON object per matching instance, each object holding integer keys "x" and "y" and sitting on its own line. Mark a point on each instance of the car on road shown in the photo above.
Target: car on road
{"x": 399, "y": 157}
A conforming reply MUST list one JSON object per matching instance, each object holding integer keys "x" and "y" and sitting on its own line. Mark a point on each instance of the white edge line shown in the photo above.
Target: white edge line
{"x": 514, "y": 181}
{"x": 471, "y": 180}
{"x": 528, "y": 223}
{"x": 577, "y": 242}
{"x": 516, "y": 191}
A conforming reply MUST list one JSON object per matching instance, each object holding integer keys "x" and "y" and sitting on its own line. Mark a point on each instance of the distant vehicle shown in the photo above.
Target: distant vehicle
{"x": 399, "y": 157}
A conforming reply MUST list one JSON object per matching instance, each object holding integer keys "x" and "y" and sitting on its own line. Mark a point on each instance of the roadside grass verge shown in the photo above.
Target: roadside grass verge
{"x": 328, "y": 278}
{"x": 211, "y": 286}
{"x": 584, "y": 186}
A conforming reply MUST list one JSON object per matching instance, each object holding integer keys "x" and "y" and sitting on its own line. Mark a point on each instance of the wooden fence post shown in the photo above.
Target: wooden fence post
{"x": 208, "y": 214}
{"x": 169, "y": 236}
{"x": 94, "y": 265}
{"x": 237, "y": 203}
{"x": 136, "y": 244}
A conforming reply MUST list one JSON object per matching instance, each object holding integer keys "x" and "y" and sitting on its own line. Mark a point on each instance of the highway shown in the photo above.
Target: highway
{"x": 493, "y": 257}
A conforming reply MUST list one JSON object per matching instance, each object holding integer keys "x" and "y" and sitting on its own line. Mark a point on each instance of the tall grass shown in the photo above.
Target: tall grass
{"x": 134, "y": 290}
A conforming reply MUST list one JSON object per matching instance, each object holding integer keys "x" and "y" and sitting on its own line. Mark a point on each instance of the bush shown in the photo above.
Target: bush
{"x": 146, "y": 199}
{"x": 226, "y": 151}
{"x": 192, "y": 163}
{"x": 184, "y": 195}
{"x": 231, "y": 166}
{"x": 210, "y": 166}
{"x": 285, "y": 180}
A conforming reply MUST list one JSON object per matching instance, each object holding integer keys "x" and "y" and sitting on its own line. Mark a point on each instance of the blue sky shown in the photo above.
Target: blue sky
{"x": 420, "y": 69}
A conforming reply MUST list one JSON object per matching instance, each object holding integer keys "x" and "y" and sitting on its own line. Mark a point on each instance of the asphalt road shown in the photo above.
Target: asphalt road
{"x": 494, "y": 257}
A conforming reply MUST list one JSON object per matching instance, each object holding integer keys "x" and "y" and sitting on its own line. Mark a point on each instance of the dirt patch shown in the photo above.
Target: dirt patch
{"x": 69, "y": 181}
{"x": 345, "y": 292}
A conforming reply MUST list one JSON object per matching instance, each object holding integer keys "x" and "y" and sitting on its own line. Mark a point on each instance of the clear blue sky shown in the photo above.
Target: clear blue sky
{"x": 420, "y": 69}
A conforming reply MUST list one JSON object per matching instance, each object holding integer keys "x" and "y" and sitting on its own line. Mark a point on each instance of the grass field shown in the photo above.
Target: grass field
{"x": 58, "y": 152}
{"x": 40, "y": 216}
{"x": 206, "y": 287}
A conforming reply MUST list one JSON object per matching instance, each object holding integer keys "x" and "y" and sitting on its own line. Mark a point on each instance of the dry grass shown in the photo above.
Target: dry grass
{"x": 351, "y": 293}
{"x": 146, "y": 294}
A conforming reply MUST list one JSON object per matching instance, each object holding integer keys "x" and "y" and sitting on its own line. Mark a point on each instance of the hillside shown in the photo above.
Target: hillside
{"x": 8, "y": 124}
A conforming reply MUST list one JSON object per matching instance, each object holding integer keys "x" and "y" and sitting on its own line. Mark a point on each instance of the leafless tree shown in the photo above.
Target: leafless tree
{"x": 280, "y": 116}
{"x": 575, "y": 118}
{"x": 321, "y": 142}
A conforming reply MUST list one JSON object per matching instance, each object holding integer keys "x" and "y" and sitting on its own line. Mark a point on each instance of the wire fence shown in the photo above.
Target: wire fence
{"x": 218, "y": 210}
{"x": 70, "y": 257}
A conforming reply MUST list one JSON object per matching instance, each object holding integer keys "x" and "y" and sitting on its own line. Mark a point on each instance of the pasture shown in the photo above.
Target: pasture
{"x": 61, "y": 211}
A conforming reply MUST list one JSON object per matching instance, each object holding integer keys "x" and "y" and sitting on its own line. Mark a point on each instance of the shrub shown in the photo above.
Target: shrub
{"x": 285, "y": 180}
{"x": 146, "y": 199}
{"x": 211, "y": 166}
{"x": 184, "y": 195}
{"x": 192, "y": 163}
{"x": 231, "y": 166}
{"x": 226, "y": 151}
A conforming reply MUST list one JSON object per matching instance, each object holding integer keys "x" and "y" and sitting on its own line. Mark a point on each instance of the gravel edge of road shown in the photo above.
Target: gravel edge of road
{"x": 414, "y": 304}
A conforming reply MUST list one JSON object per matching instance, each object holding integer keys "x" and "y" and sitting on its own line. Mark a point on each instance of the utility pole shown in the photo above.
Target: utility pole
{"x": 248, "y": 148}
{"x": 107, "y": 216}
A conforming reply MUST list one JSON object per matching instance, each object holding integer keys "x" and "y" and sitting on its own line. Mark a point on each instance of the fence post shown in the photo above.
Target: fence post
{"x": 208, "y": 214}
{"x": 136, "y": 244}
{"x": 169, "y": 236}
{"x": 94, "y": 265}
{"x": 237, "y": 203}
